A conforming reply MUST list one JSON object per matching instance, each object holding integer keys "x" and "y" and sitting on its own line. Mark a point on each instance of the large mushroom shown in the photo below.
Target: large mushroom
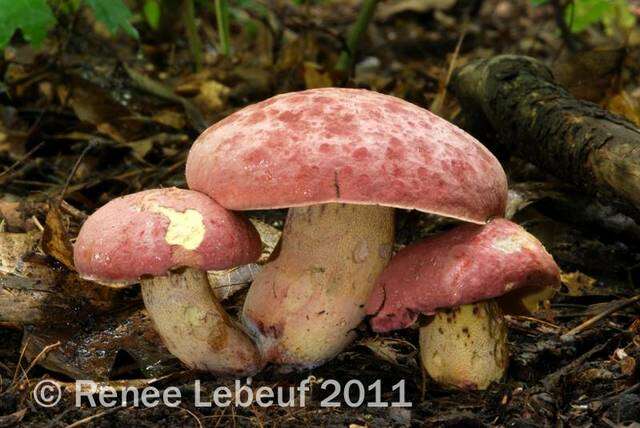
{"x": 340, "y": 160}
{"x": 455, "y": 276}
{"x": 167, "y": 239}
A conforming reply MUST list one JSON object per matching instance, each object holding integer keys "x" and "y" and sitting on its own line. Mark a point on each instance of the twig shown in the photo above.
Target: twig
{"x": 438, "y": 102}
{"x": 552, "y": 379}
{"x": 41, "y": 354}
{"x": 194, "y": 416}
{"x": 222, "y": 20}
{"x": 607, "y": 399}
{"x": 21, "y": 160}
{"x": 591, "y": 321}
{"x": 74, "y": 169}
{"x": 355, "y": 33}
{"x": 535, "y": 320}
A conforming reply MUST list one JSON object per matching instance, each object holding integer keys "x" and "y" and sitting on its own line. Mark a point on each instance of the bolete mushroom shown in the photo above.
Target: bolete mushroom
{"x": 340, "y": 160}
{"x": 167, "y": 239}
{"x": 455, "y": 276}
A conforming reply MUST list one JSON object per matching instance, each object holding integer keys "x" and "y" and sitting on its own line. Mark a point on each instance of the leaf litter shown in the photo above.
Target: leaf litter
{"x": 98, "y": 119}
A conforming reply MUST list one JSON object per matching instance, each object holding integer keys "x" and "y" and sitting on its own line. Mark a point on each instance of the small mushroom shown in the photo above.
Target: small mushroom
{"x": 167, "y": 239}
{"x": 340, "y": 160}
{"x": 455, "y": 276}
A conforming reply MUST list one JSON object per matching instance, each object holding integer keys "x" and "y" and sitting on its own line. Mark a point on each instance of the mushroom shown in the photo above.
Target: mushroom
{"x": 455, "y": 276}
{"x": 340, "y": 160}
{"x": 167, "y": 239}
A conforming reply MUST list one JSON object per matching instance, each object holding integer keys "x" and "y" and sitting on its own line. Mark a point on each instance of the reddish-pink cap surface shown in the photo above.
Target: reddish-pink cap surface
{"x": 346, "y": 145}
{"x": 464, "y": 265}
{"x": 154, "y": 231}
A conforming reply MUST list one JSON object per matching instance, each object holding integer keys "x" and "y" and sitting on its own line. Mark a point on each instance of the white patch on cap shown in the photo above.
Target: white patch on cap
{"x": 515, "y": 243}
{"x": 185, "y": 228}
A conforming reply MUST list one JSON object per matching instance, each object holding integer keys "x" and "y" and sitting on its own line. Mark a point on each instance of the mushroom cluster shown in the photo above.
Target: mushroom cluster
{"x": 341, "y": 160}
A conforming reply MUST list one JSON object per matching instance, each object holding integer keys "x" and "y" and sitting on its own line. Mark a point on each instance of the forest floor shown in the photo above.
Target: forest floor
{"x": 89, "y": 118}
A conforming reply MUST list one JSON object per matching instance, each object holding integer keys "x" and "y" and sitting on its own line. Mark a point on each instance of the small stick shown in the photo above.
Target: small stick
{"x": 21, "y": 160}
{"x": 591, "y": 321}
{"x": 75, "y": 167}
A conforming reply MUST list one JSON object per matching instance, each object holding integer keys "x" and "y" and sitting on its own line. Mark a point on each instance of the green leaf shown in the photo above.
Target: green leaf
{"x": 619, "y": 17}
{"x": 253, "y": 6}
{"x": 114, "y": 14}
{"x": 584, "y": 13}
{"x": 539, "y": 2}
{"x": 152, "y": 13}
{"x": 33, "y": 17}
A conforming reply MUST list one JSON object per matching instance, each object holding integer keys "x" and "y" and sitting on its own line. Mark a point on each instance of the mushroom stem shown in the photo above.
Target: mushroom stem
{"x": 304, "y": 305}
{"x": 195, "y": 327}
{"x": 466, "y": 347}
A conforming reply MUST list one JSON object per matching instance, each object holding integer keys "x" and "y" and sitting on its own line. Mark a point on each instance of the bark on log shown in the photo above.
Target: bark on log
{"x": 516, "y": 98}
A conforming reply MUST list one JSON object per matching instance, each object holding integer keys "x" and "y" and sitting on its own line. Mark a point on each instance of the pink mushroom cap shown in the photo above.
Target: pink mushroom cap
{"x": 346, "y": 145}
{"x": 464, "y": 265}
{"x": 154, "y": 231}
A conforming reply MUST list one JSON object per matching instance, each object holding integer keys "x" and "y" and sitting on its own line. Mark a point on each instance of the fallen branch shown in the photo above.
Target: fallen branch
{"x": 516, "y": 98}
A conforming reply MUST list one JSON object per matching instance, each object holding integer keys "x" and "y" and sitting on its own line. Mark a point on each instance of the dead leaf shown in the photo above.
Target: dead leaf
{"x": 315, "y": 77}
{"x": 17, "y": 214}
{"x": 226, "y": 283}
{"x": 626, "y": 362}
{"x": 141, "y": 148}
{"x": 26, "y": 301}
{"x": 577, "y": 283}
{"x": 269, "y": 235}
{"x": 10, "y": 215}
{"x": 170, "y": 118}
{"x": 212, "y": 96}
{"x": 14, "y": 248}
{"x": 395, "y": 351}
{"x": 12, "y": 419}
{"x": 91, "y": 103}
{"x": 623, "y": 104}
{"x": 91, "y": 353}
{"x": 628, "y": 366}
{"x": 389, "y": 9}
{"x": 523, "y": 194}
{"x": 55, "y": 241}
{"x": 111, "y": 131}
{"x": 159, "y": 89}
{"x": 589, "y": 74}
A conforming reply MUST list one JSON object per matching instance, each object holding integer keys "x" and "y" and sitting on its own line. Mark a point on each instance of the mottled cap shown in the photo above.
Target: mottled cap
{"x": 464, "y": 265}
{"x": 155, "y": 231}
{"x": 346, "y": 145}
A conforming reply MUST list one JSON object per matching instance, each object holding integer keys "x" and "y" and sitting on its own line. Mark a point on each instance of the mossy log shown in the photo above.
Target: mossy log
{"x": 516, "y": 99}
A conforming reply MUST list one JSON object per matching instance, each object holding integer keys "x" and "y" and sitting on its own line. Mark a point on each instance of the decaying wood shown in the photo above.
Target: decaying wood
{"x": 516, "y": 98}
